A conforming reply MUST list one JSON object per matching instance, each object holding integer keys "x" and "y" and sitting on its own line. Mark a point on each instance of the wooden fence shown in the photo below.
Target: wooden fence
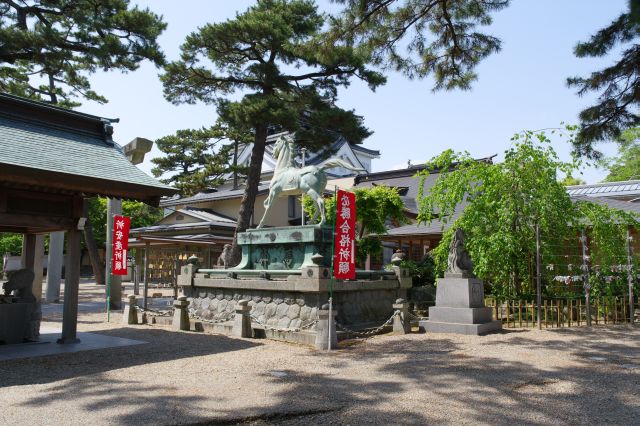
{"x": 556, "y": 313}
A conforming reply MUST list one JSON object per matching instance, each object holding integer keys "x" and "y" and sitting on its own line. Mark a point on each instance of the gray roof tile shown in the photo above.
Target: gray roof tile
{"x": 45, "y": 148}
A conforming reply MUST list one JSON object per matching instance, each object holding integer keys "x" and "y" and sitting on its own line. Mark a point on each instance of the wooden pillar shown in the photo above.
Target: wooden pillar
{"x": 71, "y": 287}
{"x": 38, "y": 267}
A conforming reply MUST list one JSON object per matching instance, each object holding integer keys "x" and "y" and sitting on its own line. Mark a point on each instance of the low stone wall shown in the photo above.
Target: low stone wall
{"x": 294, "y": 309}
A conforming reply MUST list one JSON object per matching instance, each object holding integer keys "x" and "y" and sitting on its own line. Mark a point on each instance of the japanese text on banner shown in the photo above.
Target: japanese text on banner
{"x": 344, "y": 264}
{"x": 120, "y": 245}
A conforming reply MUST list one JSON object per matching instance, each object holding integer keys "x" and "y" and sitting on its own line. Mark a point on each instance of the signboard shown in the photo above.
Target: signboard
{"x": 344, "y": 264}
{"x": 120, "y": 245}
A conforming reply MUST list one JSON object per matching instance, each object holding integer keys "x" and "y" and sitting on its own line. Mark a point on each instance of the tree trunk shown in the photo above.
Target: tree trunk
{"x": 92, "y": 248}
{"x": 250, "y": 191}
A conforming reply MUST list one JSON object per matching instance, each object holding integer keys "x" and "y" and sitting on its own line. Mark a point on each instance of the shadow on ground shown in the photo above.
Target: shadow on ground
{"x": 435, "y": 382}
{"x": 60, "y": 367}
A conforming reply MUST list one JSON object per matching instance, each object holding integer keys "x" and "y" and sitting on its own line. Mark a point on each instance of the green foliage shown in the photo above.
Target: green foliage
{"x": 375, "y": 208}
{"x": 141, "y": 215}
{"x": 50, "y": 47}
{"x": 569, "y": 180}
{"x": 504, "y": 203}
{"x": 618, "y": 84}
{"x": 626, "y": 165}
{"x": 191, "y": 163}
{"x": 9, "y": 243}
{"x": 423, "y": 37}
{"x": 423, "y": 272}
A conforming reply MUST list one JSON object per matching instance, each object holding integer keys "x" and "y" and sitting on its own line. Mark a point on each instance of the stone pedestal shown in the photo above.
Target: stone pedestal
{"x": 401, "y": 323}
{"x": 325, "y": 326}
{"x": 242, "y": 320}
{"x": 460, "y": 308}
{"x": 130, "y": 312}
{"x": 181, "y": 314}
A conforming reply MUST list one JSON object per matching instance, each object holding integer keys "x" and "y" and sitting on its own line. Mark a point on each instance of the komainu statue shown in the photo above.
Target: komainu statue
{"x": 459, "y": 262}
{"x": 224, "y": 259}
{"x": 21, "y": 280}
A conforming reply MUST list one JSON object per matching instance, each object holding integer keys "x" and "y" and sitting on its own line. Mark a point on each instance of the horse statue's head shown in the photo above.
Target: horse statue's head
{"x": 282, "y": 142}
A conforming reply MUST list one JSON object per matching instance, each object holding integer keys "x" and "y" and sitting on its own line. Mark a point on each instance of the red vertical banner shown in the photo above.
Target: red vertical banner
{"x": 120, "y": 245}
{"x": 344, "y": 255}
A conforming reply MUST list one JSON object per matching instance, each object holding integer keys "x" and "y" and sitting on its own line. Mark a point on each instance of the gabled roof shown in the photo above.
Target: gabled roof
{"x": 613, "y": 203}
{"x": 56, "y": 149}
{"x": 201, "y": 197}
{"x": 206, "y": 215}
{"x": 626, "y": 189}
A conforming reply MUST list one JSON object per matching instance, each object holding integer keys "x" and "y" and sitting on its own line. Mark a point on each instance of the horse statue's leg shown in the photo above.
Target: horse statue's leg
{"x": 268, "y": 203}
{"x": 320, "y": 202}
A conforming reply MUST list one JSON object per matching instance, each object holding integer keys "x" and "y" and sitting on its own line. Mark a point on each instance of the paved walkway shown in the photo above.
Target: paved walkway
{"x": 566, "y": 376}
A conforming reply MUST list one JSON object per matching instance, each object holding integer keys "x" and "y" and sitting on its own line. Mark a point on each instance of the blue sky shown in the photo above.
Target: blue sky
{"x": 521, "y": 87}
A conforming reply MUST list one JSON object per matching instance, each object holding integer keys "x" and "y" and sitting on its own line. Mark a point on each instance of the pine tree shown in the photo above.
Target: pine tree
{"x": 49, "y": 47}
{"x": 626, "y": 165}
{"x": 423, "y": 37}
{"x": 274, "y": 55}
{"x": 619, "y": 84}
{"x": 191, "y": 163}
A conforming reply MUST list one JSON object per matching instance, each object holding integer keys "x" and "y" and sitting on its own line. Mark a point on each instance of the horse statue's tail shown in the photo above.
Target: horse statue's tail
{"x": 336, "y": 162}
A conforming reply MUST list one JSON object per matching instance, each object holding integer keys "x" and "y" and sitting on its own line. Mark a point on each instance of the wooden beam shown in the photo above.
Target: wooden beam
{"x": 48, "y": 180}
{"x": 27, "y": 221}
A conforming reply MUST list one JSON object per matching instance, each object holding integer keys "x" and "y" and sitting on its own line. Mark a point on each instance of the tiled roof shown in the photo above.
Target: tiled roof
{"x": 33, "y": 138}
{"x": 206, "y": 215}
{"x": 625, "y": 206}
{"x": 629, "y": 189}
{"x": 211, "y": 196}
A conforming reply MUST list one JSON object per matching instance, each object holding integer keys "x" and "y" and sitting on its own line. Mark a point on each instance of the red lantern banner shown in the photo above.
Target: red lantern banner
{"x": 120, "y": 245}
{"x": 344, "y": 255}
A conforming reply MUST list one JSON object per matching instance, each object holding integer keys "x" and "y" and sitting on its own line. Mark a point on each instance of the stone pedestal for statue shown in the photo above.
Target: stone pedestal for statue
{"x": 460, "y": 308}
{"x": 460, "y": 297}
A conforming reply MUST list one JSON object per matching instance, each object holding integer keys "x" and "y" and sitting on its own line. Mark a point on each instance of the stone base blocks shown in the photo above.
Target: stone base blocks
{"x": 460, "y": 308}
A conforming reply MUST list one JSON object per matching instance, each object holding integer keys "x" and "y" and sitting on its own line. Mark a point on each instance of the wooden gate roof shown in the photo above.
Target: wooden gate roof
{"x": 50, "y": 149}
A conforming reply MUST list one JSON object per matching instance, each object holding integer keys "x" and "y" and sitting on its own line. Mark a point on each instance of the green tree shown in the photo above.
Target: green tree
{"x": 619, "y": 84}
{"x": 274, "y": 57}
{"x": 423, "y": 38}
{"x": 505, "y": 202}
{"x": 569, "y": 180}
{"x": 626, "y": 165}
{"x": 49, "y": 47}
{"x": 11, "y": 244}
{"x": 376, "y": 208}
{"x": 191, "y": 163}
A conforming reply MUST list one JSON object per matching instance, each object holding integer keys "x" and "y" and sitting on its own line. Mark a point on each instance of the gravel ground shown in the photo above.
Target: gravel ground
{"x": 567, "y": 376}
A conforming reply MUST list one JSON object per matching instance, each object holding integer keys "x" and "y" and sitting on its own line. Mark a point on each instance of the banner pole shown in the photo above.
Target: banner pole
{"x": 109, "y": 259}
{"x": 333, "y": 244}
